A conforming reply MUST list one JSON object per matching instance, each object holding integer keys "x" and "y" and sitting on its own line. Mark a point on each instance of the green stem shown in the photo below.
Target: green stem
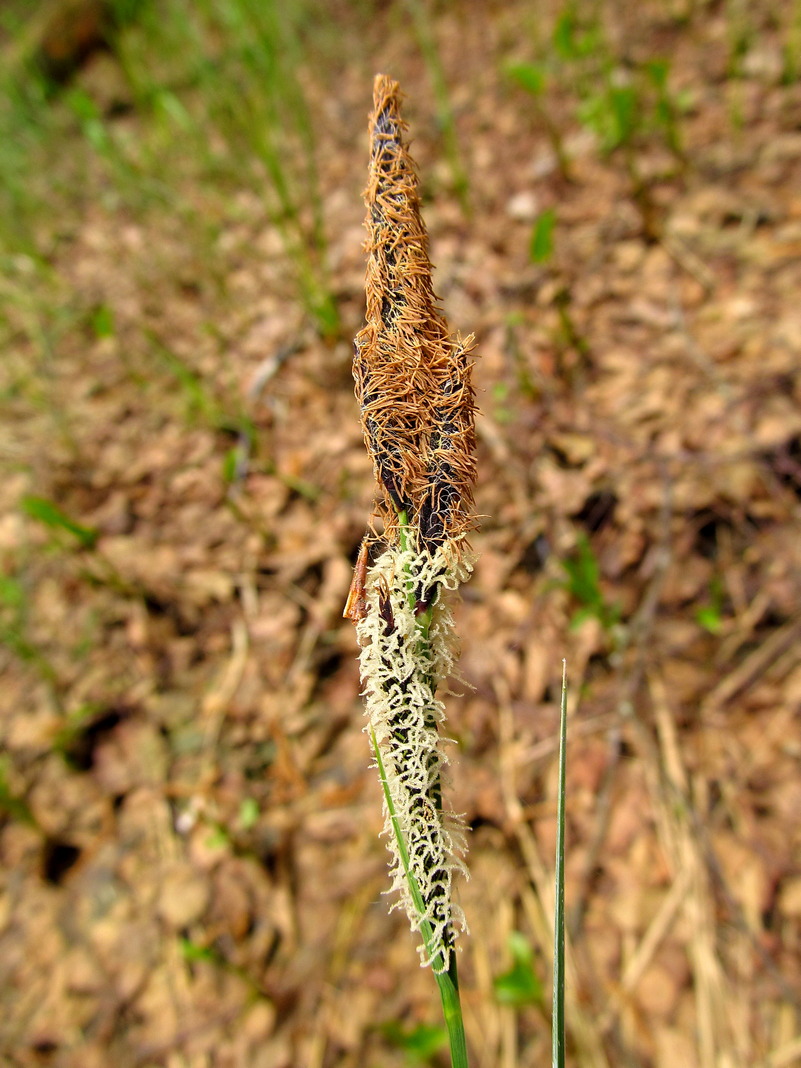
{"x": 558, "y": 1009}
{"x": 403, "y": 538}
{"x": 448, "y": 983}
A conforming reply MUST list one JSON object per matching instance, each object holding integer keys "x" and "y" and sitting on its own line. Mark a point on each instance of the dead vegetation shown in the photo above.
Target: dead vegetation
{"x": 191, "y": 873}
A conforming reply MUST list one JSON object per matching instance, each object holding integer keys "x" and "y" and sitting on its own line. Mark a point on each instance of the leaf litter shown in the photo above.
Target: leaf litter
{"x": 200, "y": 878}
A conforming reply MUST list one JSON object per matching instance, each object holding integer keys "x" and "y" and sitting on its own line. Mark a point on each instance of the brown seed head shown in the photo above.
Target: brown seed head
{"x": 413, "y": 381}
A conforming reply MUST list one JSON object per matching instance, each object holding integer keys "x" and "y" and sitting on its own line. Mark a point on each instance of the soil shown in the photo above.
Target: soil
{"x": 192, "y": 873}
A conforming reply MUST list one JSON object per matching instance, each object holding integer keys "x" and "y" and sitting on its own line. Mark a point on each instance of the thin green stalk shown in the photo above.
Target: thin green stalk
{"x": 447, "y": 981}
{"x": 424, "y": 619}
{"x": 403, "y": 539}
{"x": 558, "y": 1009}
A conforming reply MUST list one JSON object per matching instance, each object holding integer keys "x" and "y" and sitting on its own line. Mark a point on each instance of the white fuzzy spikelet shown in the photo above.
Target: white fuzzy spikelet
{"x": 402, "y": 665}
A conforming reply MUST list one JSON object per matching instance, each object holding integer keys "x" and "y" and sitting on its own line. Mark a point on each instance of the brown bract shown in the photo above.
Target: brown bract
{"x": 413, "y": 380}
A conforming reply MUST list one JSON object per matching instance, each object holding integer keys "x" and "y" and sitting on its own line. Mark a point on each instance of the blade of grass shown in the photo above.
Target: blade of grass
{"x": 49, "y": 515}
{"x": 558, "y": 1011}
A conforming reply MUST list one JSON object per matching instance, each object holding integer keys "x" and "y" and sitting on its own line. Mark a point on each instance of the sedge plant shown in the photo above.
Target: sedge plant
{"x": 415, "y": 392}
{"x": 413, "y": 384}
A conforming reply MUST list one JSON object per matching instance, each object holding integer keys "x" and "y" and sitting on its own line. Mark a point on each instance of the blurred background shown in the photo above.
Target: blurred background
{"x": 191, "y": 873}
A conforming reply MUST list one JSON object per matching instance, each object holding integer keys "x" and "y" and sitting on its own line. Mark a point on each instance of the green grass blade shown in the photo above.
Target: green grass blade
{"x": 49, "y": 515}
{"x": 558, "y": 1010}
{"x": 541, "y": 245}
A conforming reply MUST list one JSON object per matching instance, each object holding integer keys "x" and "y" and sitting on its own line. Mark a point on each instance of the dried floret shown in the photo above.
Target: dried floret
{"x": 413, "y": 380}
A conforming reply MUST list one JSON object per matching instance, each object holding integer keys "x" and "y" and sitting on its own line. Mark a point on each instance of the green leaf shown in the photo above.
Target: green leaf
{"x": 12, "y": 592}
{"x": 541, "y": 246}
{"x": 218, "y": 838}
{"x": 10, "y": 804}
{"x": 710, "y": 615}
{"x": 169, "y": 104}
{"x": 709, "y": 618}
{"x": 529, "y": 76}
{"x": 90, "y": 118}
{"x": 624, "y": 105}
{"x": 82, "y": 105}
{"x": 520, "y": 985}
{"x": 49, "y": 515}
{"x": 581, "y": 616}
{"x": 230, "y": 465}
{"x": 613, "y": 114}
{"x": 249, "y": 813}
{"x": 571, "y": 41}
{"x": 326, "y": 315}
{"x": 192, "y": 952}
{"x": 421, "y": 1043}
{"x": 564, "y": 36}
{"x": 584, "y": 584}
{"x": 657, "y": 70}
{"x": 103, "y": 321}
{"x": 583, "y": 573}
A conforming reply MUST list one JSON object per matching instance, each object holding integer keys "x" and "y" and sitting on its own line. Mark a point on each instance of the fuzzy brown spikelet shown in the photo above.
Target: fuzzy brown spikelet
{"x": 413, "y": 381}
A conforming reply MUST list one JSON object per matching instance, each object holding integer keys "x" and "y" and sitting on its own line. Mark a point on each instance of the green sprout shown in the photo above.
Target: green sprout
{"x": 420, "y": 1043}
{"x": 583, "y": 582}
{"x": 541, "y": 246}
{"x": 710, "y": 615}
{"x": 47, "y": 513}
{"x": 519, "y": 985}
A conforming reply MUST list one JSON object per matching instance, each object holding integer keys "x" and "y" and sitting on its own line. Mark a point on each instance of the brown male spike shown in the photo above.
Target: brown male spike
{"x": 413, "y": 381}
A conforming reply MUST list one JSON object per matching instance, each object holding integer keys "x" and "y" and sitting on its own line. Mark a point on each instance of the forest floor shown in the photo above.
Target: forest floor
{"x": 191, "y": 869}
